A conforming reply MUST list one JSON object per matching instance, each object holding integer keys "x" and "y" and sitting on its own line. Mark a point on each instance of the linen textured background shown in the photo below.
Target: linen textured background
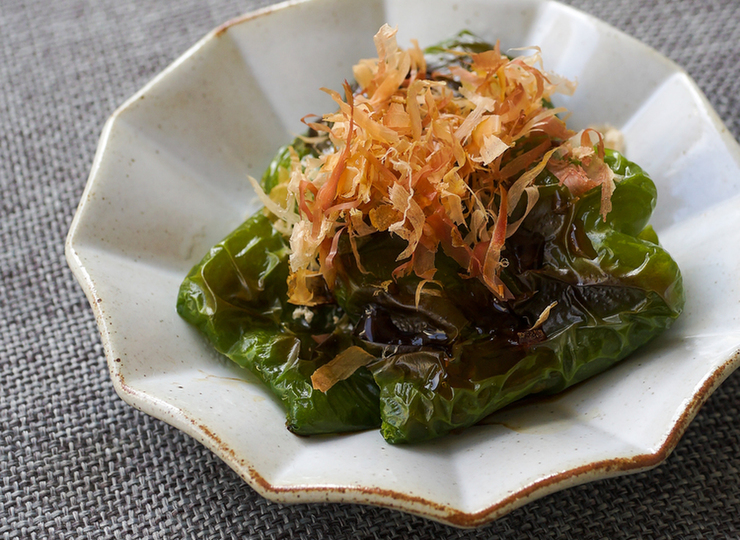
{"x": 77, "y": 462}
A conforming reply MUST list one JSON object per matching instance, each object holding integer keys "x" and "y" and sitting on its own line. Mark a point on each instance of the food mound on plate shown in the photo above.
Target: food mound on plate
{"x": 438, "y": 247}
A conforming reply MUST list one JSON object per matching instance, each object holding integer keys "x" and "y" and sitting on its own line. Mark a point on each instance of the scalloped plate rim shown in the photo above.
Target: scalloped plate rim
{"x": 163, "y": 410}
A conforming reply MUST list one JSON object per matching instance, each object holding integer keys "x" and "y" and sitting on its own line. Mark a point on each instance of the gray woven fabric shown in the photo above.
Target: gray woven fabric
{"x": 77, "y": 462}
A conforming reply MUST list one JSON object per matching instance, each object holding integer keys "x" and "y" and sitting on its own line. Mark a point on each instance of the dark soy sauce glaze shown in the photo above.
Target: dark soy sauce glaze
{"x": 471, "y": 332}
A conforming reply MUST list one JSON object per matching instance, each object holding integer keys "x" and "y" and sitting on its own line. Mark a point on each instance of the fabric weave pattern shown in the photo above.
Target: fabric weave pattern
{"x": 77, "y": 462}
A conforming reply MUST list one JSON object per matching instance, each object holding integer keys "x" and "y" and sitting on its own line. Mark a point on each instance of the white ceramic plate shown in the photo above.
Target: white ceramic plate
{"x": 169, "y": 180}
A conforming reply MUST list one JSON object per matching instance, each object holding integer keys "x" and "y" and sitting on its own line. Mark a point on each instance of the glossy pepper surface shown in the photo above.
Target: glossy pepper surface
{"x": 588, "y": 289}
{"x": 458, "y": 354}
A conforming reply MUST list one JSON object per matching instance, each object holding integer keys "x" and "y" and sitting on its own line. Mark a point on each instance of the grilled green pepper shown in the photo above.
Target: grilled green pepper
{"x": 468, "y": 354}
{"x": 237, "y": 297}
{"x": 587, "y": 291}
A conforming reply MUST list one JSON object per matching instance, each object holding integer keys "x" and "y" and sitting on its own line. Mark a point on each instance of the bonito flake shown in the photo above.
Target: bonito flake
{"x": 442, "y": 160}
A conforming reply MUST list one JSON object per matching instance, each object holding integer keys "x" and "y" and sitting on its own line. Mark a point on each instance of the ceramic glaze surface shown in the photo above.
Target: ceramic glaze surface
{"x": 170, "y": 180}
